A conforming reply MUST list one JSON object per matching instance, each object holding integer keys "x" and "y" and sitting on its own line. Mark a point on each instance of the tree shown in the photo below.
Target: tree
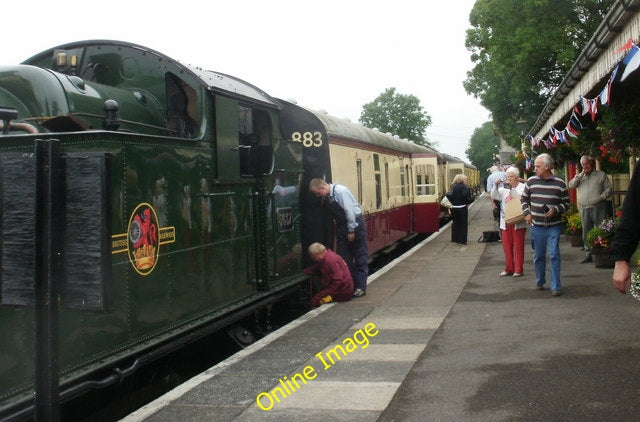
{"x": 482, "y": 148}
{"x": 398, "y": 114}
{"x": 521, "y": 52}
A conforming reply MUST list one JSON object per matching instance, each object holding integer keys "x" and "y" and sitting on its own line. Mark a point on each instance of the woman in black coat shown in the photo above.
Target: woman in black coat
{"x": 460, "y": 197}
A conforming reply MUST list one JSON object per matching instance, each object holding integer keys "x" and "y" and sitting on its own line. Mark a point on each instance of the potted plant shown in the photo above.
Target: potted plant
{"x": 573, "y": 229}
{"x": 599, "y": 240}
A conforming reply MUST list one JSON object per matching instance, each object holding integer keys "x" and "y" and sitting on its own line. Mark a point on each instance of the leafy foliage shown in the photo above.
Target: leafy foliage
{"x": 481, "y": 148}
{"x": 521, "y": 51}
{"x": 398, "y": 114}
{"x": 611, "y": 137}
{"x": 573, "y": 223}
{"x": 601, "y": 236}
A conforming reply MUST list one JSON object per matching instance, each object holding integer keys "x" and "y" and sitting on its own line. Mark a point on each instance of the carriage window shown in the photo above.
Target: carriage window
{"x": 452, "y": 174}
{"x": 386, "y": 179}
{"x": 402, "y": 189}
{"x": 254, "y": 132}
{"x": 359, "y": 176}
{"x": 425, "y": 179}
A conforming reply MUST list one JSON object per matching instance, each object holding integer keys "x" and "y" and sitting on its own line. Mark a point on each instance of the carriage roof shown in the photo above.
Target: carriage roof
{"x": 340, "y": 127}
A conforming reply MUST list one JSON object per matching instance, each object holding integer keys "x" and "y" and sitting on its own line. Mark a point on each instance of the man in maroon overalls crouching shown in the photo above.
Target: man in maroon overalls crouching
{"x": 336, "y": 278}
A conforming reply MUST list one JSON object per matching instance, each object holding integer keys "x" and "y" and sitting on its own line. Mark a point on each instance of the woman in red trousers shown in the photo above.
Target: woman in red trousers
{"x": 512, "y": 234}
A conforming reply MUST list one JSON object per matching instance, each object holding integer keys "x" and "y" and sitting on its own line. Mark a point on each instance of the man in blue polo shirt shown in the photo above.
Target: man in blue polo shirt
{"x": 351, "y": 230}
{"x": 497, "y": 173}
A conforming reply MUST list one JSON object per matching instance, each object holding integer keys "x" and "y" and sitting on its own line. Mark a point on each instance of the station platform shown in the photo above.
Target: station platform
{"x": 438, "y": 337}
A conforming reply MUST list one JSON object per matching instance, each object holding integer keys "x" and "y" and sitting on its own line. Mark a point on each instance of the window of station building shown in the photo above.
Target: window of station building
{"x": 359, "y": 179}
{"x": 377, "y": 176}
{"x": 425, "y": 179}
{"x": 254, "y": 132}
{"x": 182, "y": 107}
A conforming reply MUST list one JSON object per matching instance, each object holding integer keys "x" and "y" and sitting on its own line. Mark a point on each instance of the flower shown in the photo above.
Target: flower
{"x": 600, "y": 238}
{"x": 611, "y": 151}
{"x": 573, "y": 224}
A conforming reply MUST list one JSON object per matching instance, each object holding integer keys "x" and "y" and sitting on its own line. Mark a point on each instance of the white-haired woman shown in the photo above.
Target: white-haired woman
{"x": 512, "y": 234}
{"x": 460, "y": 197}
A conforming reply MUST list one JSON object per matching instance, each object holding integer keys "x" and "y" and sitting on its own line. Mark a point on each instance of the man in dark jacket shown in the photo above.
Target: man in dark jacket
{"x": 627, "y": 235}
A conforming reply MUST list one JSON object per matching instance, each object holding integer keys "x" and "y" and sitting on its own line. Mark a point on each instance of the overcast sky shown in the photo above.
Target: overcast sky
{"x": 334, "y": 55}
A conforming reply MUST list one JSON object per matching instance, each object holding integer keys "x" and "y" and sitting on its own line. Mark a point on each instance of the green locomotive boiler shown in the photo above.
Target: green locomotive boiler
{"x": 152, "y": 201}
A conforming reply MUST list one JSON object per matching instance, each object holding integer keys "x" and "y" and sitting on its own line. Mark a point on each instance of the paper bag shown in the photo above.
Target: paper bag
{"x": 513, "y": 211}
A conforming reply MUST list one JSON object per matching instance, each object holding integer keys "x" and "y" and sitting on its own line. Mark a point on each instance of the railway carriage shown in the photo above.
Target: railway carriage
{"x": 427, "y": 170}
{"x": 454, "y": 165}
{"x": 473, "y": 178}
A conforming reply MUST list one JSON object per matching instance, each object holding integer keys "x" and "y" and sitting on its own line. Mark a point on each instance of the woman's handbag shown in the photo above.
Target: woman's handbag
{"x": 445, "y": 202}
{"x": 489, "y": 236}
{"x": 513, "y": 211}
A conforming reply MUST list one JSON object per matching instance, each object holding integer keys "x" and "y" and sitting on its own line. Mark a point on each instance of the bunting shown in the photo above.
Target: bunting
{"x": 632, "y": 61}
{"x": 627, "y": 46}
{"x": 572, "y": 131}
{"x": 584, "y": 106}
{"x": 593, "y": 108}
{"x": 605, "y": 95}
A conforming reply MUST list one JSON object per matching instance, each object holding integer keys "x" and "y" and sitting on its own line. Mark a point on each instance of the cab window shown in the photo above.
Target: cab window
{"x": 254, "y": 127}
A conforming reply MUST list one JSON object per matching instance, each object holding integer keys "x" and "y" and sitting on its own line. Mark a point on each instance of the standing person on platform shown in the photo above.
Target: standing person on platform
{"x": 627, "y": 235}
{"x": 497, "y": 174}
{"x": 460, "y": 197}
{"x": 350, "y": 227}
{"x": 336, "y": 277}
{"x": 593, "y": 190}
{"x": 544, "y": 199}
{"x": 512, "y": 234}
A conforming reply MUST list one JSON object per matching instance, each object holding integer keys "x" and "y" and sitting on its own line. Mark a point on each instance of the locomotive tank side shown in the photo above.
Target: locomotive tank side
{"x": 195, "y": 222}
